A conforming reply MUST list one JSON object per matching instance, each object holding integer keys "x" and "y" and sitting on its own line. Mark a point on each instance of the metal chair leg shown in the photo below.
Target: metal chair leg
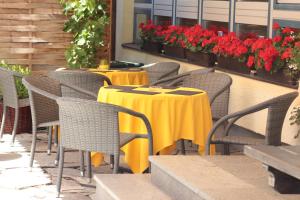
{"x": 81, "y": 154}
{"x": 49, "y": 140}
{"x": 33, "y": 146}
{"x": 116, "y": 163}
{"x": 3, "y": 121}
{"x": 60, "y": 170}
{"x": 111, "y": 161}
{"x": 182, "y": 147}
{"x": 17, "y": 111}
{"x": 89, "y": 165}
{"x": 57, "y": 157}
{"x": 55, "y": 135}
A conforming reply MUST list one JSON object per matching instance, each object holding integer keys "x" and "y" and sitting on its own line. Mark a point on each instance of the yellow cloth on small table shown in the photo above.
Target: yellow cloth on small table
{"x": 125, "y": 77}
{"x": 172, "y": 117}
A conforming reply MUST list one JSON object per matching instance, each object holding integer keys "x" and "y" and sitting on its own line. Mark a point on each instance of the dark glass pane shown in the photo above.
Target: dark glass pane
{"x": 163, "y": 20}
{"x": 142, "y": 1}
{"x": 186, "y": 22}
{"x": 216, "y": 26}
{"x": 248, "y": 30}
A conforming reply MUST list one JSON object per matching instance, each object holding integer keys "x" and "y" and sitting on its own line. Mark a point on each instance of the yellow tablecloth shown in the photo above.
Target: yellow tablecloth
{"x": 172, "y": 117}
{"x": 125, "y": 77}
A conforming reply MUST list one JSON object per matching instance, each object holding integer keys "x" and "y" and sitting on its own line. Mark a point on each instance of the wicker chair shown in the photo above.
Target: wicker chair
{"x": 277, "y": 109}
{"x": 43, "y": 92}
{"x": 162, "y": 70}
{"x": 92, "y": 126}
{"x": 10, "y": 98}
{"x": 178, "y": 79}
{"x": 83, "y": 79}
{"x": 217, "y": 86}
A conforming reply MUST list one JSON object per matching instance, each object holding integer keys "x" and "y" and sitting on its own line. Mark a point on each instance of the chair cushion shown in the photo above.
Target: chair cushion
{"x": 243, "y": 140}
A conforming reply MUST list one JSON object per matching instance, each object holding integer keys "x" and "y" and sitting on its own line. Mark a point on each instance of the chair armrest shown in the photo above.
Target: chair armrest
{"x": 233, "y": 118}
{"x": 106, "y": 79}
{"x": 80, "y": 90}
{"x": 39, "y": 91}
{"x": 146, "y": 122}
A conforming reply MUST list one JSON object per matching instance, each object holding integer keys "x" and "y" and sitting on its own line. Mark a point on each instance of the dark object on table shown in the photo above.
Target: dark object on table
{"x": 283, "y": 164}
{"x": 183, "y": 92}
{"x": 124, "y": 64}
{"x": 140, "y": 92}
{"x": 121, "y": 87}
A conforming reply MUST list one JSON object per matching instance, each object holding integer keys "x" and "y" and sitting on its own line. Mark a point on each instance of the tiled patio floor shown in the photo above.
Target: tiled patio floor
{"x": 18, "y": 182}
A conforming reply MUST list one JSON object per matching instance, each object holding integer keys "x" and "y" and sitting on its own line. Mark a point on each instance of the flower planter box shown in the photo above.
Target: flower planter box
{"x": 200, "y": 58}
{"x": 280, "y": 76}
{"x": 233, "y": 64}
{"x": 177, "y": 52}
{"x": 153, "y": 47}
{"x": 24, "y": 124}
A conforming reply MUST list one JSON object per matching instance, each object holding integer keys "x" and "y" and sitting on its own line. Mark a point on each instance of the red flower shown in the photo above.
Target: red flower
{"x": 287, "y": 40}
{"x": 276, "y": 26}
{"x": 277, "y": 38}
{"x": 297, "y": 44}
{"x": 250, "y": 61}
{"x": 287, "y": 30}
{"x": 287, "y": 54}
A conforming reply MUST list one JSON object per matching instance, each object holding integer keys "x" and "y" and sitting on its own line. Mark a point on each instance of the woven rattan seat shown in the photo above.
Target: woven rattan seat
{"x": 277, "y": 109}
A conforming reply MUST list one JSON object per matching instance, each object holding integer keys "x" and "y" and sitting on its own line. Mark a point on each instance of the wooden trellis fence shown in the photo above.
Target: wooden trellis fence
{"x": 31, "y": 33}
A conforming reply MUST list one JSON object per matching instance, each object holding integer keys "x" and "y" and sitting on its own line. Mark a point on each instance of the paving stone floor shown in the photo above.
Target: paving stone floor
{"x": 18, "y": 182}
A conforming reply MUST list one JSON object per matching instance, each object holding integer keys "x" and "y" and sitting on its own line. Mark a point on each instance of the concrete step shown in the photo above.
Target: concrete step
{"x": 127, "y": 187}
{"x": 213, "y": 178}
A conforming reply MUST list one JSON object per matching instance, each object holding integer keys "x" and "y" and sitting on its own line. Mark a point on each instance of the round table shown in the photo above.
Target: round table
{"x": 134, "y": 76}
{"x": 172, "y": 117}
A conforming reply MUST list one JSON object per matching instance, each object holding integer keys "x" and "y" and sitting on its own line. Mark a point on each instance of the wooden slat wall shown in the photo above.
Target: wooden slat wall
{"x": 31, "y": 33}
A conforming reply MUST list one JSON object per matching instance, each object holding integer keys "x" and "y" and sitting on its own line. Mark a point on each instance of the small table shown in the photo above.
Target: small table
{"x": 131, "y": 76}
{"x": 283, "y": 164}
{"x": 174, "y": 114}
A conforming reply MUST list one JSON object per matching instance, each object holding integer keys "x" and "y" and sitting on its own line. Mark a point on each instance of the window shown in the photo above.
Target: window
{"x": 186, "y": 22}
{"x": 247, "y": 30}
{"x": 287, "y": 4}
{"x": 216, "y": 26}
{"x": 293, "y": 24}
{"x": 163, "y": 20}
{"x": 140, "y": 15}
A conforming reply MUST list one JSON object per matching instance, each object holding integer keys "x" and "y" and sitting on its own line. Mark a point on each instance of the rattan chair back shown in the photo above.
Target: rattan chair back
{"x": 8, "y": 88}
{"x": 83, "y": 79}
{"x": 162, "y": 70}
{"x": 42, "y": 93}
{"x": 89, "y": 125}
{"x": 217, "y": 85}
{"x": 277, "y": 111}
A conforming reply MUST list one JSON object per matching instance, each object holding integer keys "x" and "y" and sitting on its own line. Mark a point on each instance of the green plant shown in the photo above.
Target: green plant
{"x": 87, "y": 22}
{"x": 295, "y": 119}
{"x": 21, "y": 89}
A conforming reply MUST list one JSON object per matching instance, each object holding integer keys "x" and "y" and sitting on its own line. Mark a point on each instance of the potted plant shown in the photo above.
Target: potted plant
{"x": 199, "y": 44}
{"x": 271, "y": 56}
{"x": 174, "y": 41}
{"x": 24, "y": 124}
{"x": 232, "y": 53}
{"x": 294, "y": 64}
{"x": 151, "y": 36}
